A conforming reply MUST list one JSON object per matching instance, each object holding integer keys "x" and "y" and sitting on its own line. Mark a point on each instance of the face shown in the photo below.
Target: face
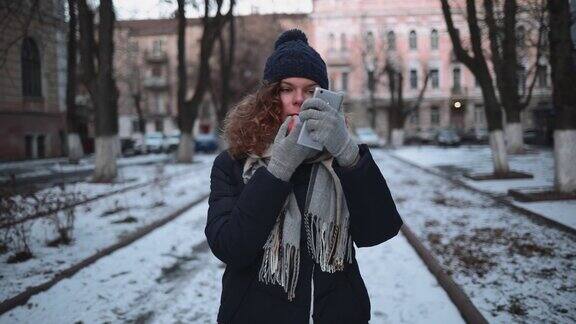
{"x": 293, "y": 92}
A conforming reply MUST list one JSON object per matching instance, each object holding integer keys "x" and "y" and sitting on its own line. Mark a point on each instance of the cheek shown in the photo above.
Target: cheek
{"x": 286, "y": 104}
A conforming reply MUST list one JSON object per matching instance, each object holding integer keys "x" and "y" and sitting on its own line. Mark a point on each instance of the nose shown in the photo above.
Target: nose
{"x": 298, "y": 98}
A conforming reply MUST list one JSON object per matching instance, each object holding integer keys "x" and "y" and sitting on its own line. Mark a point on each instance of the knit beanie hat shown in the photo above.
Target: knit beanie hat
{"x": 293, "y": 57}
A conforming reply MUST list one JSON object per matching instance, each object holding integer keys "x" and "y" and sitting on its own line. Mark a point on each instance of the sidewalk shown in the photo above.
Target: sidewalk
{"x": 30, "y": 169}
{"x": 539, "y": 162}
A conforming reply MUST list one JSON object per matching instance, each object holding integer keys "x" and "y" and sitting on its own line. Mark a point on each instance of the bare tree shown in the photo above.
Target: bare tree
{"x": 398, "y": 108}
{"x": 187, "y": 112}
{"x": 563, "y": 62}
{"x": 476, "y": 63}
{"x": 227, "y": 50}
{"x": 97, "y": 77}
{"x": 251, "y": 45}
{"x": 75, "y": 151}
{"x": 504, "y": 45}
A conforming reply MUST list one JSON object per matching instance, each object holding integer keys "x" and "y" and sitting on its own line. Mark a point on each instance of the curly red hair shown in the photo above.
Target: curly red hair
{"x": 252, "y": 124}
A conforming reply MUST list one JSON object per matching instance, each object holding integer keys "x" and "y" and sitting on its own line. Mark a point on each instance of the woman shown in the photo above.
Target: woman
{"x": 284, "y": 217}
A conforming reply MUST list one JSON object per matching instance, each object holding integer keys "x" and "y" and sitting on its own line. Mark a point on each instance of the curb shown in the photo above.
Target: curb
{"x": 467, "y": 309}
{"x": 538, "y": 218}
{"x": 24, "y": 296}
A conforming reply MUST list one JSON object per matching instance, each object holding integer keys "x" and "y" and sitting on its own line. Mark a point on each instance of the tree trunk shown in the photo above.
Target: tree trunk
{"x": 563, "y": 63}
{"x": 398, "y": 137}
{"x": 182, "y": 155}
{"x": 212, "y": 29}
{"x": 107, "y": 149}
{"x": 106, "y": 112}
{"x": 498, "y": 147}
{"x": 478, "y": 66}
{"x": 185, "y": 148}
{"x": 75, "y": 150}
{"x": 514, "y": 138}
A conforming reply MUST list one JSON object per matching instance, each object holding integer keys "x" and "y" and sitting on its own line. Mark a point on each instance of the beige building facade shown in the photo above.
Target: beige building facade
{"x": 146, "y": 65}
{"x": 357, "y": 37}
{"x": 33, "y": 83}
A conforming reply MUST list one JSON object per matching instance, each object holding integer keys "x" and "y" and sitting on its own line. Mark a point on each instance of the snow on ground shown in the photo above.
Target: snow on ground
{"x": 103, "y": 222}
{"x": 539, "y": 162}
{"x": 513, "y": 269}
{"x": 44, "y": 167}
{"x": 170, "y": 276}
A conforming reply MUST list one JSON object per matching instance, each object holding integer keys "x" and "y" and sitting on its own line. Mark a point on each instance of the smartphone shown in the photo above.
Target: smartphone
{"x": 334, "y": 99}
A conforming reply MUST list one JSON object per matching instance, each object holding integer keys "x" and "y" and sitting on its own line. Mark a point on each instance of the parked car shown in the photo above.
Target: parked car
{"x": 171, "y": 142}
{"x": 476, "y": 136}
{"x": 127, "y": 146}
{"x": 366, "y": 135}
{"x": 448, "y": 137}
{"x": 154, "y": 142}
{"x": 427, "y": 136}
{"x": 207, "y": 143}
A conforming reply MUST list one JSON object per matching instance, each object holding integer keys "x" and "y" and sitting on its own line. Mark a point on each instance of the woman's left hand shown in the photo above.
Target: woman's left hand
{"x": 328, "y": 127}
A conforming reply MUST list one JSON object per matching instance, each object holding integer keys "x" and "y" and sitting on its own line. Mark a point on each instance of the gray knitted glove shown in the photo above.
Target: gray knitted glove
{"x": 328, "y": 127}
{"x": 287, "y": 155}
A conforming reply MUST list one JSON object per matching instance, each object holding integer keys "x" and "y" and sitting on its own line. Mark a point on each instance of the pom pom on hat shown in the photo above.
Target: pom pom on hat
{"x": 294, "y": 57}
{"x": 291, "y": 35}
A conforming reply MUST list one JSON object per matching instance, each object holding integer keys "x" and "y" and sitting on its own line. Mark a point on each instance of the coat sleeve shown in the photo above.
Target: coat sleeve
{"x": 373, "y": 215}
{"x": 239, "y": 223}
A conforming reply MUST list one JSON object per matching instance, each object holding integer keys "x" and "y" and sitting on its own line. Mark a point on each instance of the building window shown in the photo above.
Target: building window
{"x": 414, "y": 120}
{"x": 344, "y": 81}
{"x": 413, "y": 40}
{"x": 391, "y": 40}
{"x": 370, "y": 42}
{"x": 41, "y": 146}
{"x": 413, "y": 79}
{"x": 542, "y": 76}
{"x": 343, "y": 45}
{"x": 31, "y": 69}
{"x": 478, "y": 115}
{"x": 158, "y": 125}
{"x": 135, "y": 126}
{"x": 434, "y": 78}
{"x": 456, "y": 79}
{"x": 156, "y": 71}
{"x": 157, "y": 46}
{"x": 434, "y": 39}
{"x": 29, "y": 146}
{"x": 521, "y": 79}
{"x": 435, "y": 116}
{"x": 520, "y": 36}
{"x": 331, "y": 41}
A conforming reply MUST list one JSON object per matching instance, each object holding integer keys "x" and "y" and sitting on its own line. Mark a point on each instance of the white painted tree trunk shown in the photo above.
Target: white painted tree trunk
{"x": 75, "y": 150}
{"x": 514, "y": 138}
{"x": 185, "y": 149}
{"x": 498, "y": 147}
{"x": 397, "y": 137}
{"x": 565, "y": 160}
{"x": 106, "y": 151}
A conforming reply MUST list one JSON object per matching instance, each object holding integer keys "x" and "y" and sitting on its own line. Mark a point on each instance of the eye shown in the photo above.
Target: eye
{"x": 285, "y": 89}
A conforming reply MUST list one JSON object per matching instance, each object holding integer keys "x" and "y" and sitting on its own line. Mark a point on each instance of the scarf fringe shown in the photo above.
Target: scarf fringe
{"x": 329, "y": 243}
{"x": 280, "y": 264}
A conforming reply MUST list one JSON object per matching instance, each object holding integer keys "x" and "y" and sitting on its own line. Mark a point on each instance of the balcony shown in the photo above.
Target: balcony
{"x": 338, "y": 58}
{"x": 459, "y": 91}
{"x": 156, "y": 83}
{"x": 156, "y": 56}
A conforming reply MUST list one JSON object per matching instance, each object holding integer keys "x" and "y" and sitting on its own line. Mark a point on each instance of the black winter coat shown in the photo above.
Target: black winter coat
{"x": 241, "y": 216}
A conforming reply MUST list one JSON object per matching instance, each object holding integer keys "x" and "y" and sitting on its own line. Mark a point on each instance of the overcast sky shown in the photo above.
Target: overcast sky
{"x": 142, "y": 9}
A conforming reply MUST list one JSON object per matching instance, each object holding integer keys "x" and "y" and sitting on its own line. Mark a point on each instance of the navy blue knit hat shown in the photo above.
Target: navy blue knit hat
{"x": 293, "y": 57}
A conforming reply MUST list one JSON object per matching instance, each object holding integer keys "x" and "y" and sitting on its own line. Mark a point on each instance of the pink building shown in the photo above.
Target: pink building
{"x": 358, "y": 36}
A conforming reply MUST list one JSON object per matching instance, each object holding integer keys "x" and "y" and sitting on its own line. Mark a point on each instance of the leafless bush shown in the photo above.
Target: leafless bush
{"x": 19, "y": 212}
{"x": 159, "y": 184}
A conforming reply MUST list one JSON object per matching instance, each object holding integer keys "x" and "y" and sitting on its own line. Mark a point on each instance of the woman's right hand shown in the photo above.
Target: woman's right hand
{"x": 287, "y": 154}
